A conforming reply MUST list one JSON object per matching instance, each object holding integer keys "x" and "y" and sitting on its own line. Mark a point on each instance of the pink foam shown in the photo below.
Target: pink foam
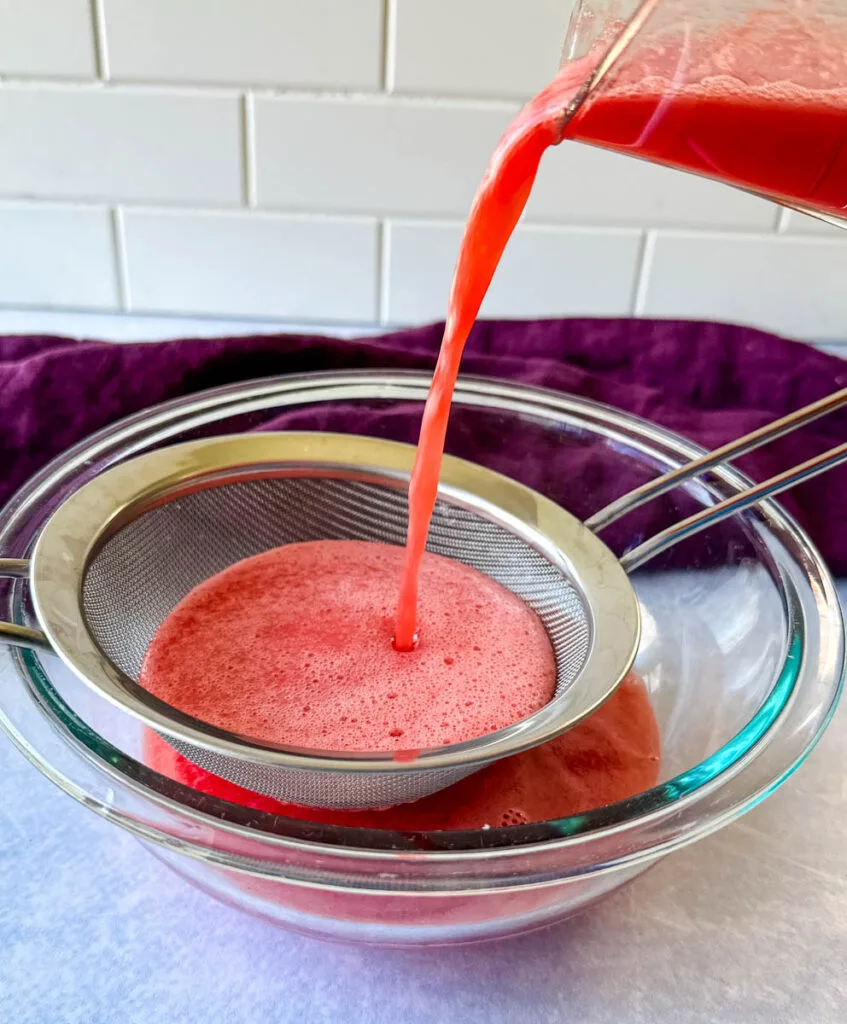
{"x": 294, "y": 646}
{"x": 781, "y": 56}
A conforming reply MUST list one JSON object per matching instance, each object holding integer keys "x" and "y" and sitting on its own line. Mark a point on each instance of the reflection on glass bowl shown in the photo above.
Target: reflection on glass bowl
{"x": 742, "y": 653}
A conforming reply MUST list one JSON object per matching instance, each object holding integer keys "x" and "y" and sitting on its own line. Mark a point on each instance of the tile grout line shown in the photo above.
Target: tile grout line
{"x": 409, "y": 216}
{"x": 248, "y": 147}
{"x": 642, "y": 277}
{"x": 98, "y": 20}
{"x": 389, "y": 45}
{"x": 121, "y": 263}
{"x": 382, "y": 269}
{"x": 330, "y": 93}
{"x": 18, "y": 199}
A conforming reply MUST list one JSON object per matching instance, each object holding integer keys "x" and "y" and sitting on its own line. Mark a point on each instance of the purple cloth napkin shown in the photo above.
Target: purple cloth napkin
{"x": 710, "y": 382}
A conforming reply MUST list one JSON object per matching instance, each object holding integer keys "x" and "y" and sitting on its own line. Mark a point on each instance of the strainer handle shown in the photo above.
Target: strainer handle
{"x": 20, "y": 636}
{"x": 730, "y": 506}
{"x": 740, "y": 446}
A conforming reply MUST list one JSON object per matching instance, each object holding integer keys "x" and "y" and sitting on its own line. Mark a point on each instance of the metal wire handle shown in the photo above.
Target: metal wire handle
{"x": 634, "y": 499}
{"x": 724, "y": 509}
{"x": 741, "y": 446}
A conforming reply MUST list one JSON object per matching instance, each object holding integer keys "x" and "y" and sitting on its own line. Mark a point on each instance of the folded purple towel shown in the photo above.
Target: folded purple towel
{"x": 710, "y": 382}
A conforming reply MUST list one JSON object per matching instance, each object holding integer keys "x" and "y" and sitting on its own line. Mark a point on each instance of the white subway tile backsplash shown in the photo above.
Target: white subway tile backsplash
{"x": 248, "y": 149}
{"x": 545, "y": 272}
{"x": 56, "y": 256}
{"x": 380, "y": 155}
{"x": 249, "y": 264}
{"x": 477, "y": 47}
{"x": 47, "y": 37}
{"x": 789, "y": 285}
{"x": 324, "y": 43}
{"x": 582, "y": 184}
{"x": 120, "y": 144}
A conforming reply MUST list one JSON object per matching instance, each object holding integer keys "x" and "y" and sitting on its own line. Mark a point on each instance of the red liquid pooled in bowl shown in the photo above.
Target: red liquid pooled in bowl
{"x": 294, "y": 646}
{"x": 610, "y": 756}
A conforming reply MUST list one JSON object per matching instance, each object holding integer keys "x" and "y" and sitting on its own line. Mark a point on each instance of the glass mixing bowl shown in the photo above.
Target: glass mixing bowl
{"x": 742, "y": 654}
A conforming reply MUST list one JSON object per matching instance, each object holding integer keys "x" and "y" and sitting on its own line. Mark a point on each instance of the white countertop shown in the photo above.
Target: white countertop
{"x": 747, "y": 926}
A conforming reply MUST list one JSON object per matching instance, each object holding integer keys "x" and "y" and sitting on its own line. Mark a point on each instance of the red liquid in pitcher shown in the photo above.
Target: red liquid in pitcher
{"x": 794, "y": 151}
{"x": 761, "y": 105}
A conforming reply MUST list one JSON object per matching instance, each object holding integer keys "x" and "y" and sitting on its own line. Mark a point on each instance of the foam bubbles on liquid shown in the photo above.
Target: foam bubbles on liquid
{"x": 306, "y": 626}
{"x": 769, "y": 56}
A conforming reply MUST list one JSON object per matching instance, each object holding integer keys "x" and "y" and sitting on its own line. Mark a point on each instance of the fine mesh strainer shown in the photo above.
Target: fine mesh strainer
{"x": 122, "y": 551}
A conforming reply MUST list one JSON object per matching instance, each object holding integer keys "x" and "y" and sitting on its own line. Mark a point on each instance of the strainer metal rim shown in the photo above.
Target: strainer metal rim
{"x": 78, "y": 528}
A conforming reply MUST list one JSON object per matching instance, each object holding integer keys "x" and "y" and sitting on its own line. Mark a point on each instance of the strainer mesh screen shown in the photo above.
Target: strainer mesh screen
{"x": 150, "y": 564}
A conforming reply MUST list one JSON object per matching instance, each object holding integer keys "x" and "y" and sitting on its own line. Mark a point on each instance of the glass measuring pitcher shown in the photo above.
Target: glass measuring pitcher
{"x": 751, "y": 92}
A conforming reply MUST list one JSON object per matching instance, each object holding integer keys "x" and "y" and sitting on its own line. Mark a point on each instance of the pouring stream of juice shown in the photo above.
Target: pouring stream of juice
{"x": 496, "y": 209}
{"x": 782, "y": 138}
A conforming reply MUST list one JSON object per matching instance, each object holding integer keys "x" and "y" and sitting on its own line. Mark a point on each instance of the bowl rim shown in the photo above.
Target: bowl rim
{"x": 673, "y": 795}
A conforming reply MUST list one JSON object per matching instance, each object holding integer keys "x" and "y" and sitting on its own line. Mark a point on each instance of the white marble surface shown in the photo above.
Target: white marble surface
{"x": 745, "y": 927}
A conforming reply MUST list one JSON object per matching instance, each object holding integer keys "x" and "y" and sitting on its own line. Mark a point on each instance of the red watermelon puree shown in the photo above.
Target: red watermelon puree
{"x": 760, "y": 104}
{"x": 611, "y": 756}
{"x": 294, "y": 646}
